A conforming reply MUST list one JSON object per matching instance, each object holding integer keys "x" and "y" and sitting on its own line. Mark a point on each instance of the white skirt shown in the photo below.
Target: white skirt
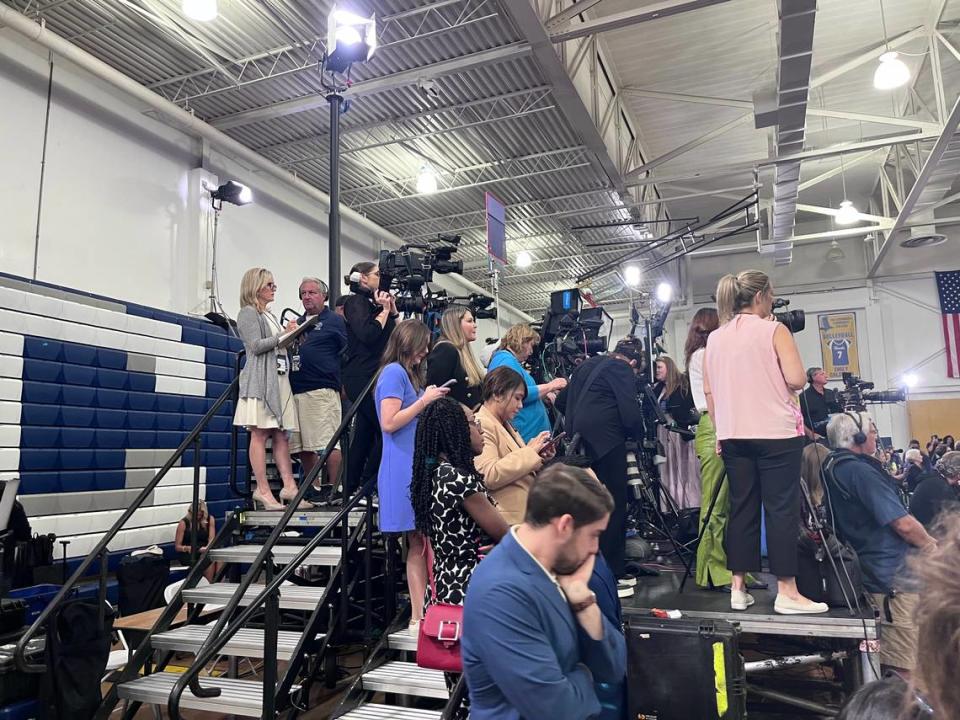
{"x": 253, "y": 412}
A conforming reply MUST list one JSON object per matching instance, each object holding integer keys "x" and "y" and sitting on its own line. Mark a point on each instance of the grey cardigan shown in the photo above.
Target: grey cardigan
{"x": 258, "y": 377}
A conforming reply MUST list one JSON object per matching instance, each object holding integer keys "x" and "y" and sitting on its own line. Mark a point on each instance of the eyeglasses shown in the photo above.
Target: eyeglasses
{"x": 271, "y": 286}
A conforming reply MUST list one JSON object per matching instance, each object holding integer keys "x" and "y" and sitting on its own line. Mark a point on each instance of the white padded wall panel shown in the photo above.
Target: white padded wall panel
{"x": 11, "y": 344}
{"x": 9, "y": 459}
{"x": 99, "y": 522}
{"x": 9, "y": 412}
{"x": 13, "y": 299}
{"x": 181, "y": 368}
{"x": 11, "y": 366}
{"x": 180, "y": 476}
{"x": 43, "y": 305}
{"x": 81, "y": 545}
{"x": 141, "y": 344}
{"x": 12, "y": 321}
{"x": 181, "y": 386}
{"x": 176, "y": 494}
{"x": 84, "y": 314}
{"x": 9, "y": 436}
{"x": 10, "y": 389}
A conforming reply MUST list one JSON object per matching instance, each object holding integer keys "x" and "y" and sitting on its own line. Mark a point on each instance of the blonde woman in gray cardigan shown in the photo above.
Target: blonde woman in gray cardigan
{"x": 266, "y": 406}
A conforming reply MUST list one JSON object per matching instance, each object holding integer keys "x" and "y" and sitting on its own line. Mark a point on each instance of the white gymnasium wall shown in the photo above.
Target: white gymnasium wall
{"x": 123, "y": 213}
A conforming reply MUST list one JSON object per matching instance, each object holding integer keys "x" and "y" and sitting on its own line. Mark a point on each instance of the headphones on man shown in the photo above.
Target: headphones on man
{"x": 810, "y": 372}
{"x": 859, "y": 437}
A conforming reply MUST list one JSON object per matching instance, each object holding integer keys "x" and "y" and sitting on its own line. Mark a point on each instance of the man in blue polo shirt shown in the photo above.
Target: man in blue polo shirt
{"x": 869, "y": 515}
{"x": 315, "y": 380}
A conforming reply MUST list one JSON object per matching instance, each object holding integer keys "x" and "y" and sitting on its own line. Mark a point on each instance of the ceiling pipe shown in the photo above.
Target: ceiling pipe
{"x": 186, "y": 122}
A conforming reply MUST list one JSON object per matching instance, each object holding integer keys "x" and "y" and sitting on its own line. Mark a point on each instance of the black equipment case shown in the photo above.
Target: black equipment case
{"x": 684, "y": 669}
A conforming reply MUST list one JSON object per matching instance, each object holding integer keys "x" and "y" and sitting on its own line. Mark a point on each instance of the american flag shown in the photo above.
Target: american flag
{"x": 948, "y": 288}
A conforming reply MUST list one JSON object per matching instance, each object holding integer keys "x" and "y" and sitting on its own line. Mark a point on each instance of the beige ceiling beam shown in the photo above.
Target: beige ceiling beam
{"x": 617, "y": 21}
{"x": 565, "y": 16}
{"x": 822, "y": 75}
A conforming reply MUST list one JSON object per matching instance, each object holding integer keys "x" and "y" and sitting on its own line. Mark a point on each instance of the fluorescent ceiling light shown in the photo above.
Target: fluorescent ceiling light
{"x": 202, "y": 10}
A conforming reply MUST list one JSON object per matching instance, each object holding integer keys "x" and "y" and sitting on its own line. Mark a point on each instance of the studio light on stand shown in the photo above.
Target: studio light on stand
{"x": 350, "y": 38}
{"x": 233, "y": 193}
{"x": 910, "y": 380}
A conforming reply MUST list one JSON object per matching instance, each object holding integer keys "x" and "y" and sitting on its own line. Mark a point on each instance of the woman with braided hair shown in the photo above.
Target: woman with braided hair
{"x": 450, "y": 502}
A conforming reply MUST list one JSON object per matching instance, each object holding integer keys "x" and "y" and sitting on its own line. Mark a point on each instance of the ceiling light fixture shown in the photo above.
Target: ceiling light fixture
{"x": 835, "y": 253}
{"x": 524, "y": 260}
{"x": 848, "y": 213}
{"x": 427, "y": 179}
{"x": 201, "y": 10}
{"x": 350, "y": 38}
{"x": 631, "y": 275}
{"x": 892, "y": 71}
{"x": 664, "y": 292}
{"x": 910, "y": 379}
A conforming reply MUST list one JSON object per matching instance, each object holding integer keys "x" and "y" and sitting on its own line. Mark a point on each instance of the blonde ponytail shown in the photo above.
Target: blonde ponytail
{"x": 736, "y": 292}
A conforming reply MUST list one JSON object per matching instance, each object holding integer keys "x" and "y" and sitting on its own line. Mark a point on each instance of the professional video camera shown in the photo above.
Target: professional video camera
{"x": 857, "y": 393}
{"x": 569, "y": 334}
{"x": 412, "y": 266}
{"x": 795, "y": 320}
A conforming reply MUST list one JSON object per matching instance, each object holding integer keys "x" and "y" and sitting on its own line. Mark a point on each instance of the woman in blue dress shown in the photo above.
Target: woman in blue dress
{"x": 515, "y": 348}
{"x": 400, "y": 397}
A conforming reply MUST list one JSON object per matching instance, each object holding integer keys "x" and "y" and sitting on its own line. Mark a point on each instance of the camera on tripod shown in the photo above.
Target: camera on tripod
{"x": 795, "y": 320}
{"x": 410, "y": 267}
{"x": 857, "y": 393}
{"x": 569, "y": 334}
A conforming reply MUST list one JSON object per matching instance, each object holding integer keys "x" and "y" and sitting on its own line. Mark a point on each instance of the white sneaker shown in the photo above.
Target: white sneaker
{"x": 787, "y": 606}
{"x": 740, "y": 600}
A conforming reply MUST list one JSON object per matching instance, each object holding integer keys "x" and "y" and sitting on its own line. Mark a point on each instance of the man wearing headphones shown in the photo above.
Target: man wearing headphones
{"x": 315, "y": 381}
{"x": 867, "y": 512}
{"x": 817, "y": 403}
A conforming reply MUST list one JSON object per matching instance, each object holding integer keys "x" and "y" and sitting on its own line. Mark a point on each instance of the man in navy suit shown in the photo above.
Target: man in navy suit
{"x": 534, "y": 640}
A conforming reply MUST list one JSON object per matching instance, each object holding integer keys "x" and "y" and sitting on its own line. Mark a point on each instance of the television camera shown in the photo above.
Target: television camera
{"x": 569, "y": 335}
{"x": 857, "y": 393}
{"x": 795, "y": 320}
{"x": 407, "y": 271}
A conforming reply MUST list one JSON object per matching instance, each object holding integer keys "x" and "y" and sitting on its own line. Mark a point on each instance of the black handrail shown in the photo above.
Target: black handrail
{"x": 220, "y": 633}
{"x": 20, "y": 653}
{"x": 235, "y": 439}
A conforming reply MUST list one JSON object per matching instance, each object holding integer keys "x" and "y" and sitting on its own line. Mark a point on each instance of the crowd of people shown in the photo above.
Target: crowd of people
{"x": 465, "y": 471}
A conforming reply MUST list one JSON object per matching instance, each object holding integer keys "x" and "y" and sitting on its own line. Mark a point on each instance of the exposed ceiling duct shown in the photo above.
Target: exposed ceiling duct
{"x": 785, "y": 107}
{"x": 933, "y": 184}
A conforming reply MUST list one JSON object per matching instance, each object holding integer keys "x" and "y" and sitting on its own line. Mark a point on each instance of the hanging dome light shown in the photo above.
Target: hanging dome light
{"x": 847, "y": 214}
{"x": 202, "y": 10}
{"x": 835, "y": 253}
{"x": 631, "y": 275}
{"x": 523, "y": 259}
{"x": 891, "y": 73}
{"x": 427, "y": 179}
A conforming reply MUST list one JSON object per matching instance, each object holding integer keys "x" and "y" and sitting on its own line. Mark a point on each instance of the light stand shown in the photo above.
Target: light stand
{"x": 494, "y": 272}
{"x": 335, "y": 98}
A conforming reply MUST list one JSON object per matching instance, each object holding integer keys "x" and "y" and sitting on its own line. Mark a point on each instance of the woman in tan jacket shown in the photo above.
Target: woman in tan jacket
{"x": 507, "y": 463}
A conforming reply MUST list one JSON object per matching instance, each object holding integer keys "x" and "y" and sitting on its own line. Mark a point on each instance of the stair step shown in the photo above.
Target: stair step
{"x": 305, "y": 518}
{"x": 406, "y": 678}
{"x": 402, "y": 640}
{"x": 246, "y": 642}
{"x": 237, "y": 697}
{"x": 374, "y": 711}
{"x": 292, "y": 597}
{"x": 282, "y": 554}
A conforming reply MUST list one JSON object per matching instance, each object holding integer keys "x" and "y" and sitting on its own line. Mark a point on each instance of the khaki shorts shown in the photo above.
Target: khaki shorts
{"x": 318, "y": 415}
{"x": 898, "y": 639}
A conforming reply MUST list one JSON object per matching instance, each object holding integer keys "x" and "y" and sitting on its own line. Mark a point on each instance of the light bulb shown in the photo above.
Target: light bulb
{"x": 523, "y": 259}
{"x": 891, "y": 73}
{"x": 631, "y": 275}
{"x": 427, "y": 179}
{"x": 847, "y": 214}
{"x": 664, "y": 292}
{"x": 202, "y": 10}
{"x": 348, "y": 35}
{"x": 910, "y": 379}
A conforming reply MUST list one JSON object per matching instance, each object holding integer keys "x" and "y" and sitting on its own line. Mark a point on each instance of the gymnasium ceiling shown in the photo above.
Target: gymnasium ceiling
{"x": 627, "y": 110}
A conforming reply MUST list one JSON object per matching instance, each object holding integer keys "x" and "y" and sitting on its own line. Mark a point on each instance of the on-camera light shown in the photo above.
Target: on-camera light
{"x": 350, "y": 38}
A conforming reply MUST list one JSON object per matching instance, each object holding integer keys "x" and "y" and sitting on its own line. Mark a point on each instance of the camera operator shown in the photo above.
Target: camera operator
{"x": 452, "y": 357}
{"x": 370, "y": 315}
{"x": 601, "y": 405}
{"x": 817, "y": 403}
{"x": 752, "y": 374}
{"x": 868, "y": 514}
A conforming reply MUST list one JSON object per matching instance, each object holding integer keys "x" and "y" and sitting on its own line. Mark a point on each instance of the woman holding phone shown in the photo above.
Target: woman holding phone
{"x": 400, "y": 398}
{"x": 507, "y": 463}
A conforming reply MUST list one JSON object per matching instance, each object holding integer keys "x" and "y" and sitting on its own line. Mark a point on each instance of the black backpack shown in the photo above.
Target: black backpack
{"x": 77, "y": 649}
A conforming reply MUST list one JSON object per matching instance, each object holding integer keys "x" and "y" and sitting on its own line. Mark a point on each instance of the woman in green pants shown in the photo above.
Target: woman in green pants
{"x": 711, "y": 557}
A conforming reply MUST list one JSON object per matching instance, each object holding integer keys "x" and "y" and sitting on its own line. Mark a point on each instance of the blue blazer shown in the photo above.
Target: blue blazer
{"x": 525, "y": 656}
{"x": 532, "y": 418}
{"x": 612, "y": 695}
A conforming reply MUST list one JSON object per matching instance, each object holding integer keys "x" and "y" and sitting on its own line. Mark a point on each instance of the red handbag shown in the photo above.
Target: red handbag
{"x": 438, "y": 641}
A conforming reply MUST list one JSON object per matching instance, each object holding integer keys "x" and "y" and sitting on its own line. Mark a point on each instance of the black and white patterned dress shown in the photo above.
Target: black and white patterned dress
{"x": 455, "y": 536}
